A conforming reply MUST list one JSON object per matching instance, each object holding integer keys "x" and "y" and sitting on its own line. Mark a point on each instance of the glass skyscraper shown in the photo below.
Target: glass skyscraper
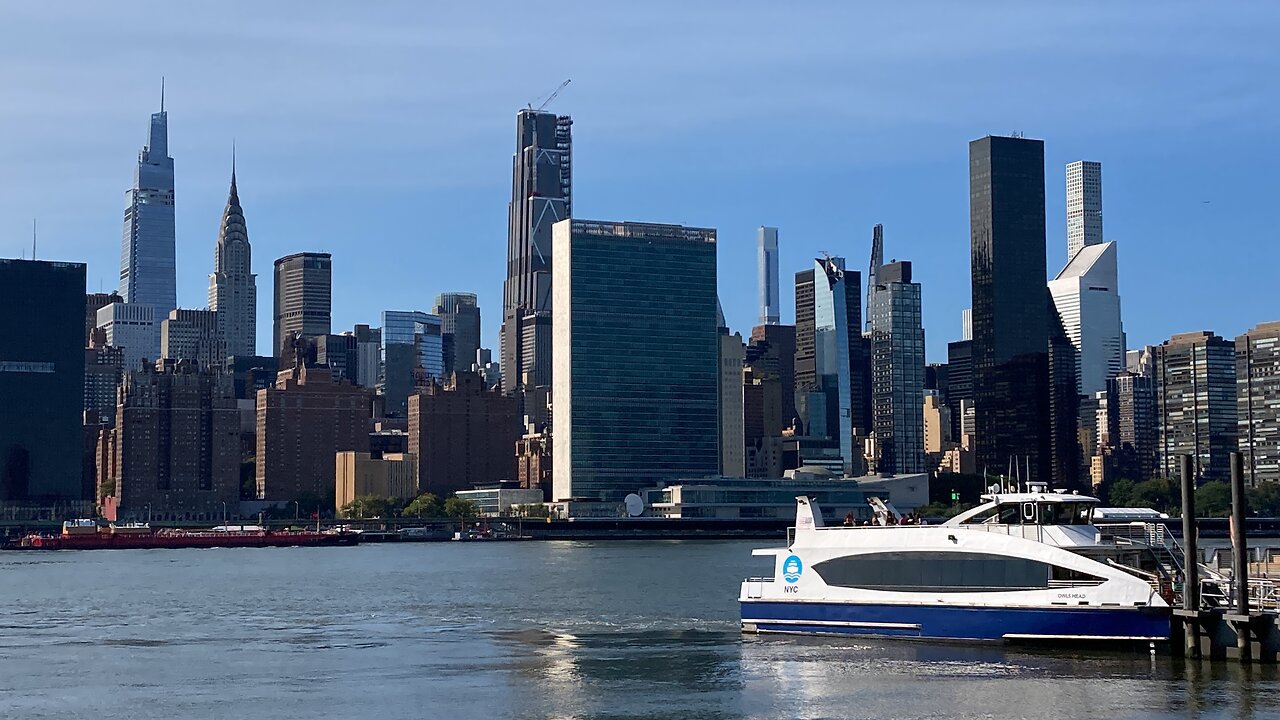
{"x": 541, "y": 195}
{"x": 148, "y": 273}
{"x": 831, "y": 396}
{"x": 1011, "y": 321}
{"x": 635, "y": 352}
{"x": 897, "y": 369}
{"x": 412, "y": 351}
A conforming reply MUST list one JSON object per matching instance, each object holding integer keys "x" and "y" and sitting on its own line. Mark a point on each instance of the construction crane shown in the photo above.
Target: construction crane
{"x": 550, "y": 97}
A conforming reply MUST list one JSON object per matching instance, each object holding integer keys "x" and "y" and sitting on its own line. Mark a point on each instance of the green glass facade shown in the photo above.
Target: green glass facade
{"x": 41, "y": 381}
{"x": 635, "y": 346}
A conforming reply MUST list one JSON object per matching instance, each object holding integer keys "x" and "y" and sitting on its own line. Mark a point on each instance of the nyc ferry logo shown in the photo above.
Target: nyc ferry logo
{"x": 791, "y": 569}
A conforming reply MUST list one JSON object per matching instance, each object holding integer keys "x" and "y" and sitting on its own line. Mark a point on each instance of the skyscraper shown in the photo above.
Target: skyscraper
{"x": 302, "y": 422}
{"x": 877, "y": 259}
{"x": 174, "y": 453}
{"x": 831, "y": 397}
{"x": 133, "y": 327}
{"x": 233, "y": 288}
{"x": 148, "y": 273}
{"x": 459, "y": 330}
{"x": 1010, "y": 309}
{"x": 463, "y": 434}
{"x": 1258, "y": 387}
{"x": 193, "y": 335}
{"x": 897, "y": 370}
{"x": 635, "y": 352}
{"x": 1087, "y": 297}
{"x": 959, "y": 382}
{"x": 1084, "y": 206}
{"x": 1196, "y": 397}
{"x": 541, "y": 195}
{"x": 303, "y": 300}
{"x": 1131, "y": 415}
{"x": 732, "y": 439}
{"x": 767, "y": 260}
{"x": 412, "y": 355}
{"x": 41, "y": 380}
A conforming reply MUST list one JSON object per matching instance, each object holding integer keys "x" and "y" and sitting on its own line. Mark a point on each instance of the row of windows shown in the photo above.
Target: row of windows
{"x": 945, "y": 572}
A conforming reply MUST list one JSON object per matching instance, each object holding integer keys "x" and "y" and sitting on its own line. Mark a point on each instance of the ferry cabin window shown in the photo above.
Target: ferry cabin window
{"x": 1065, "y": 513}
{"x": 935, "y": 572}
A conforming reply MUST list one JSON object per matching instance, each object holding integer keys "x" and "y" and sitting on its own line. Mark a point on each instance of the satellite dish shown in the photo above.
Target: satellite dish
{"x": 635, "y": 506}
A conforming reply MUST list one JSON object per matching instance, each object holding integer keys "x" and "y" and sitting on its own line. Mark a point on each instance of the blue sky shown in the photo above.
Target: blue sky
{"x": 383, "y": 133}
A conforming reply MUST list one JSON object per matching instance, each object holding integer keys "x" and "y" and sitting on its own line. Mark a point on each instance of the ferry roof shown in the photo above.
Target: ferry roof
{"x": 1049, "y": 497}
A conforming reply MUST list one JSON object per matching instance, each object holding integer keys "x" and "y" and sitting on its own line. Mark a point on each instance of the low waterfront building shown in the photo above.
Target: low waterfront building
{"x": 360, "y": 474}
{"x": 501, "y": 499}
{"x": 775, "y": 498}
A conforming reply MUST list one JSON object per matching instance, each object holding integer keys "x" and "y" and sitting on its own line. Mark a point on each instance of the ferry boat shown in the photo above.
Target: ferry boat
{"x": 86, "y": 534}
{"x": 1022, "y": 566}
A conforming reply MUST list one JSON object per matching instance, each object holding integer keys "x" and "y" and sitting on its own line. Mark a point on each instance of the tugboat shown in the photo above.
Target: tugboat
{"x": 1024, "y": 566}
{"x": 86, "y": 534}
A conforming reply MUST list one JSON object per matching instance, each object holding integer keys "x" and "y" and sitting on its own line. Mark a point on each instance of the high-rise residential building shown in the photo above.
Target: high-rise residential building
{"x": 767, "y": 261}
{"x": 302, "y": 422}
{"x": 463, "y": 434}
{"x": 732, "y": 440}
{"x": 103, "y": 365}
{"x": 193, "y": 335}
{"x": 1010, "y": 309}
{"x": 832, "y": 366}
{"x": 541, "y": 195}
{"x": 368, "y": 355}
{"x": 1258, "y": 401}
{"x": 959, "y": 381}
{"x": 1133, "y": 430}
{"x": 1196, "y": 400}
{"x": 133, "y": 327}
{"x": 1086, "y": 296}
{"x": 1084, "y": 206}
{"x": 174, "y": 453}
{"x": 635, "y": 348}
{"x": 897, "y": 370}
{"x": 877, "y": 259}
{"x": 148, "y": 270}
{"x": 771, "y": 354}
{"x": 233, "y": 288}
{"x": 459, "y": 329}
{"x": 92, "y": 303}
{"x": 41, "y": 380}
{"x": 303, "y": 300}
{"x": 412, "y": 356}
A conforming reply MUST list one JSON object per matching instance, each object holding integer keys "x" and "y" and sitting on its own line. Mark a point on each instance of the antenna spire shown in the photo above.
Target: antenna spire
{"x": 33, "y": 238}
{"x": 161, "y": 93}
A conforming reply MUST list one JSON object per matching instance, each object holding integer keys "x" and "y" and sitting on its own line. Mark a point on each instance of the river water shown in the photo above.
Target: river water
{"x": 513, "y": 630}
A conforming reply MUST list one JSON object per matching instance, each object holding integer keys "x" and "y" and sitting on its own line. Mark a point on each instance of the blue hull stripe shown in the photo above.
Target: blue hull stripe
{"x": 959, "y": 623}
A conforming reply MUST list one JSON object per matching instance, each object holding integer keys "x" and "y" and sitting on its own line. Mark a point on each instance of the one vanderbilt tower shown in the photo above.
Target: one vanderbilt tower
{"x": 147, "y": 268}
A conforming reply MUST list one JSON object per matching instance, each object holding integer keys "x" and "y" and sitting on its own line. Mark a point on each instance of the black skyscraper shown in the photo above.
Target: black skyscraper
{"x": 41, "y": 380}
{"x": 1010, "y": 316}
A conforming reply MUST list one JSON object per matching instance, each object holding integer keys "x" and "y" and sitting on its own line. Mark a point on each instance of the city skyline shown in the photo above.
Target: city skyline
{"x": 294, "y": 162}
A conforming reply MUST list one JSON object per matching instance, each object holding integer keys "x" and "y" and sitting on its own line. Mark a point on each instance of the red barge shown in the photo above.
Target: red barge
{"x": 88, "y": 535}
